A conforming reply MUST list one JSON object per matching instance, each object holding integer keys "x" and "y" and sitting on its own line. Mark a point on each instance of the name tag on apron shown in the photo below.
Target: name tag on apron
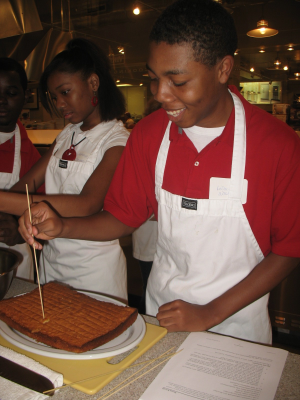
{"x": 189, "y": 204}
{"x": 63, "y": 164}
{"x": 219, "y": 189}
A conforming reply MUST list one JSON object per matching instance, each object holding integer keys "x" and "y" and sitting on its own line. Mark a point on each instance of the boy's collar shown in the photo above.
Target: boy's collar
{"x": 178, "y": 134}
{"x": 227, "y": 134}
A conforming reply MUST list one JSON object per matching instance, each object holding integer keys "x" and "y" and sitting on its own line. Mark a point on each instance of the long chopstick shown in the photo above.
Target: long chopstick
{"x": 34, "y": 252}
{"x": 113, "y": 372}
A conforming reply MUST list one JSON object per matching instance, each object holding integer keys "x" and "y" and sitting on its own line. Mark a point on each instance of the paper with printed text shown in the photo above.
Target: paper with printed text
{"x": 216, "y": 367}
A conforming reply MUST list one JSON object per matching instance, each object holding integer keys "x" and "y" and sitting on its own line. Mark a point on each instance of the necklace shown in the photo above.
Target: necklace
{"x": 70, "y": 154}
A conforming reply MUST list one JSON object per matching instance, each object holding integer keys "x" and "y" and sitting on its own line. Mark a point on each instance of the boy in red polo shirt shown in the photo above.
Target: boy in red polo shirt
{"x": 17, "y": 154}
{"x": 220, "y": 175}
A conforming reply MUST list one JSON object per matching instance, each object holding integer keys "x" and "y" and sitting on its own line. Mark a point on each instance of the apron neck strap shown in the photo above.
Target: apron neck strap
{"x": 238, "y": 155}
{"x": 162, "y": 157}
{"x": 239, "y": 150}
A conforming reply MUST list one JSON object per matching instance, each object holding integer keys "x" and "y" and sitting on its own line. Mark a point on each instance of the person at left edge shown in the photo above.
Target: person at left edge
{"x": 17, "y": 155}
{"x": 79, "y": 166}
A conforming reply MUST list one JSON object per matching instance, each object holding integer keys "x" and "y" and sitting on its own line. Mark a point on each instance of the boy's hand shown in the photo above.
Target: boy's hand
{"x": 46, "y": 224}
{"x": 9, "y": 230}
{"x": 178, "y": 316}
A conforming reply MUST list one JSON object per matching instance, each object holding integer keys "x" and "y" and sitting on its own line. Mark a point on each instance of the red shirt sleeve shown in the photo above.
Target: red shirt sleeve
{"x": 285, "y": 228}
{"x": 29, "y": 155}
{"x": 131, "y": 196}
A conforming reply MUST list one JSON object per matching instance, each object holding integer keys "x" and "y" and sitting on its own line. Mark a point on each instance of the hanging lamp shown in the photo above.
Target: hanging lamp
{"x": 262, "y": 29}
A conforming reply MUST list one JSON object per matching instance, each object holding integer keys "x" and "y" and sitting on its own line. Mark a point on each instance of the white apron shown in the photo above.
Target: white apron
{"x": 7, "y": 180}
{"x": 87, "y": 265}
{"x": 144, "y": 241}
{"x": 204, "y": 252}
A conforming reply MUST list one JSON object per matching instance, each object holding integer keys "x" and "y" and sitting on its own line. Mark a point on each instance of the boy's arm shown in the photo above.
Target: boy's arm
{"x": 182, "y": 316}
{"x": 47, "y": 224}
{"x": 89, "y": 201}
{"x": 9, "y": 230}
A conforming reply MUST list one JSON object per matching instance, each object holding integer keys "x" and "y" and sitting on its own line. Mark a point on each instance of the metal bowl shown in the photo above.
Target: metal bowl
{"x": 9, "y": 260}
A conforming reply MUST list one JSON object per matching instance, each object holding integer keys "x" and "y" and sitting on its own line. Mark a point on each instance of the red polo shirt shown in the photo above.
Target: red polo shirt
{"x": 272, "y": 171}
{"x": 29, "y": 154}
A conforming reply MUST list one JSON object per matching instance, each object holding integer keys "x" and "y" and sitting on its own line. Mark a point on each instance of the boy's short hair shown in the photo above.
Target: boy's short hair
{"x": 205, "y": 24}
{"x": 10, "y": 65}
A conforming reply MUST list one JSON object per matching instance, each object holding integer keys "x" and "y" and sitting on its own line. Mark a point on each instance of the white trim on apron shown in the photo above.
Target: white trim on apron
{"x": 203, "y": 252}
{"x": 86, "y": 265}
{"x": 7, "y": 180}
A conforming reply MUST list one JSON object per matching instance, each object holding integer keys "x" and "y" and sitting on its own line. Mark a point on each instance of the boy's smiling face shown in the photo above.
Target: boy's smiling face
{"x": 190, "y": 92}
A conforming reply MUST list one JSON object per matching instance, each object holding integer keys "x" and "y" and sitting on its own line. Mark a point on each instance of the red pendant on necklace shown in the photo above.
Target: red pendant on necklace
{"x": 70, "y": 154}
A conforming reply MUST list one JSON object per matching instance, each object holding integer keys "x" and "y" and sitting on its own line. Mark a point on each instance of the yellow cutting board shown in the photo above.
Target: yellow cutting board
{"x": 76, "y": 370}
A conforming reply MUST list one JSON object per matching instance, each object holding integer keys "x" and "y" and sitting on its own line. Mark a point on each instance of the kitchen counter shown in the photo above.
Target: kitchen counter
{"x": 288, "y": 389}
{"x": 44, "y": 136}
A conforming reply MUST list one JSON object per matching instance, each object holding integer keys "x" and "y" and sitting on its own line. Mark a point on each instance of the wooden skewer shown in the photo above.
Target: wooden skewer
{"x": 34, "y": 252}
{"x": 113, "y": 372}
{"x": 113, "y": 391}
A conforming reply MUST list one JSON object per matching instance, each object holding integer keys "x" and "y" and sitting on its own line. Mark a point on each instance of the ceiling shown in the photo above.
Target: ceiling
{"x": 111, "y": 24}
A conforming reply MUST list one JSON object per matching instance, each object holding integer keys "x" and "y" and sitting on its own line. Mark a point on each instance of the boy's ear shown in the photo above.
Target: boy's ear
{"x": 225, "y": 68}
{"x": 26, "y": 95}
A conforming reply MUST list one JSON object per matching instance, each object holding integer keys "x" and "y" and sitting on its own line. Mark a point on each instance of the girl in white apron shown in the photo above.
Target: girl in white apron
{"x": 79, "y": 166}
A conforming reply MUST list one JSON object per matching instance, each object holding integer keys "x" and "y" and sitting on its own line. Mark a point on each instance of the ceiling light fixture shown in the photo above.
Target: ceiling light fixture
{"x": 236, "y": 52}
{"x": 262, "y": 49}
{"x": 262, "y": 29}
{"x": 252, "y": 69}
{"x": 121, "y": 49}
{"x": 286, "y": 68}
{"x": 290, "y": 47}
{"x": 277, "y": 61}
{"x": 137, "y": 8}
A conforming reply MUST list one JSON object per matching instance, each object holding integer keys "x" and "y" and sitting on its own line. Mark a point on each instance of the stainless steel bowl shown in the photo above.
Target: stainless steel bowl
{"x": 9, "y": 260}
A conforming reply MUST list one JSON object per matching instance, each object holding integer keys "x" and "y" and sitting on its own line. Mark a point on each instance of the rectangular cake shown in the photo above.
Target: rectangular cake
{"x": 73, "y": 321}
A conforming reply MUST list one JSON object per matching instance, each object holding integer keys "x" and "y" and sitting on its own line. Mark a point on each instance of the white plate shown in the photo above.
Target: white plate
{"x": 126, "y": 341}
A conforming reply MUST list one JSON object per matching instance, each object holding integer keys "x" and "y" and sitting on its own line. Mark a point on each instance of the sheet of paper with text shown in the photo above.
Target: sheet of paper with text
{"x": 216, "y": 367}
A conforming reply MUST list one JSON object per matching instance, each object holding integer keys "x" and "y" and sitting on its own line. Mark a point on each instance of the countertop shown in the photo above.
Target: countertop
{"x": 43, "y": 137}
{"x": 288, "y": 389}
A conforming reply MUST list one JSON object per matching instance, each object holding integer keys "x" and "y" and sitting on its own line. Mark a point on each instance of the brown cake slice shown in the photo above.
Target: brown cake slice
{"x": 73, "y": 321}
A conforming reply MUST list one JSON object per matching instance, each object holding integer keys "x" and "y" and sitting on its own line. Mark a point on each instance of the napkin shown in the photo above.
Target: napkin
{"x": 13, "y": 391}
